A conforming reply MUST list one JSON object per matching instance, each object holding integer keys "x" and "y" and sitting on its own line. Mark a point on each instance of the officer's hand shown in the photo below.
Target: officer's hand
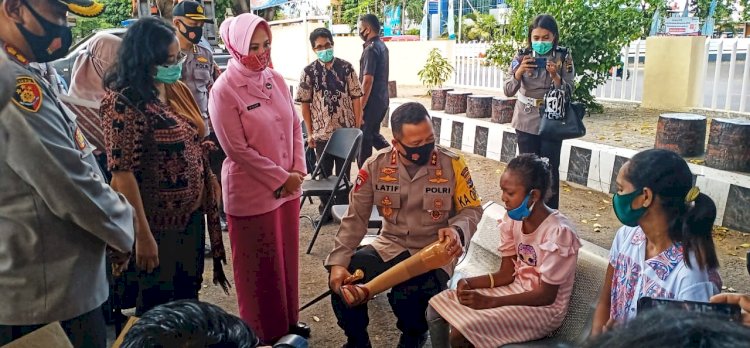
{"x": 454, "y": 242}
{"x": 146, "y": 253}
{"x": 528, "y": 63}
{"x": 336, "y": 278}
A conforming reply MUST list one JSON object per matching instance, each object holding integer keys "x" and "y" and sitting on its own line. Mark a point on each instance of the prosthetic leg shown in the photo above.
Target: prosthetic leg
{"x": 431, "y": 257}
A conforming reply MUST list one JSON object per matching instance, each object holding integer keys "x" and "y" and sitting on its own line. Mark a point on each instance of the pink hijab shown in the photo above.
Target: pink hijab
{"x": 90, "y": 66}
{"x": 237, "y": 32}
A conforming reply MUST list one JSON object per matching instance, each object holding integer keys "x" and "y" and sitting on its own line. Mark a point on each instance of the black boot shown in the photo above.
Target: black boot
{"x": 300, "y": 329}
{"x": 412, "y": 341}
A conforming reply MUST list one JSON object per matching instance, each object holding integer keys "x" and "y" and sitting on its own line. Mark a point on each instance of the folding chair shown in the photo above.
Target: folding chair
{"x": 344, "y": 144}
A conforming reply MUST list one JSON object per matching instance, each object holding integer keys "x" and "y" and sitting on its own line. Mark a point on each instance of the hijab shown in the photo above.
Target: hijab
{"x": 237, "y": 33}
{"x": 90, "y": 66}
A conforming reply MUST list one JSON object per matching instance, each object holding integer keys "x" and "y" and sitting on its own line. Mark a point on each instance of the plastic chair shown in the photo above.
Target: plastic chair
{"x": 344, "y": 144}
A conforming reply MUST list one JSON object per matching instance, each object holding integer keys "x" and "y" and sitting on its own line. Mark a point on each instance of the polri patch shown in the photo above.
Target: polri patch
{"x": 361, "y": 179}
{"x": 28, "y": 94}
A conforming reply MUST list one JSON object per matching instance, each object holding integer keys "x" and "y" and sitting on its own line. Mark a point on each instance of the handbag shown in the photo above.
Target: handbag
{"x": 561, "y": 118}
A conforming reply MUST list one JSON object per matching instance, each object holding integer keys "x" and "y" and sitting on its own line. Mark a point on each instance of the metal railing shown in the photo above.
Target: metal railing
{"x": 726, "y": 78}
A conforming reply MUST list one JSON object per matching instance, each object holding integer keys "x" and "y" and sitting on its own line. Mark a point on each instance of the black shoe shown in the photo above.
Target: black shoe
{"x": 355, "y": 345}
{"x": 224, "y": 225}
{"x": 300, "y": 329}
{"x": 411, "y": 341}
{"x": 206, "y": 250}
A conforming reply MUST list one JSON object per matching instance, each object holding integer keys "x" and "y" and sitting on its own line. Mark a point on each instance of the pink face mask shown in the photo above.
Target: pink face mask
{"x": 257, "y": 62}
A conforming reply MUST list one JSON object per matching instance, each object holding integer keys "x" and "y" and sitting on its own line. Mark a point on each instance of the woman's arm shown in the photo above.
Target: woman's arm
{"x": 601, "y": 315}
{"x": 146, "y": 249}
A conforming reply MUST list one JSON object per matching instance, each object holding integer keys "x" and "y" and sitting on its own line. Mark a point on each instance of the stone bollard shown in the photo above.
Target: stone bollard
{"x": 479, "y": 106}
{"x": 455, "y": 102}
{"x": 502, "y": 109}
{"x": 392, "y": 89}
{"x": 729, "y": 145}
{"x": 684, "y": 134}
{"x": 438, "y": 98}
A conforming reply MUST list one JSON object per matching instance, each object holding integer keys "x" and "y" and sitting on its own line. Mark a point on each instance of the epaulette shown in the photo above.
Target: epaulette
{"x": 524, "y": 51}
{"x": 378, "y": 155}
{"x": 448, "y": 152}
{"x": 563, "y": 50}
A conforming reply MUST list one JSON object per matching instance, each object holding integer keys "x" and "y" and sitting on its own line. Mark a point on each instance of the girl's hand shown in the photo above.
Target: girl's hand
{"x": 463, "y": 285}
{"x": 475, "y": 300}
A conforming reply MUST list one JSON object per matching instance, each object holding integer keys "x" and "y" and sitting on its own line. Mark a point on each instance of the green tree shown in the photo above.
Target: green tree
{"x": 722, "y": 15}
{"x": 116, "y": 12}
{"x": 745, "y": 14}
{"x": 436, "y": 70}
{"x": 594, "y": 33}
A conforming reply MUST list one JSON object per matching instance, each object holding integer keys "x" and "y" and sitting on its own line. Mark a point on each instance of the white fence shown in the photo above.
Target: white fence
{"x": 726, "y": 85}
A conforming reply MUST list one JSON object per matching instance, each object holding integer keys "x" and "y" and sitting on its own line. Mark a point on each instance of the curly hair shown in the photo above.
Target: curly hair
{"x": 144, "y": 46}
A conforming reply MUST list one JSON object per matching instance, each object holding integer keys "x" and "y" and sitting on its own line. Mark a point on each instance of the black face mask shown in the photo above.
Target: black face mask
{"x": 362, "y": 35}
{"x": 196, "y": 31}
{"x": 53, "y": 44}
{"x": 418, "y": 155}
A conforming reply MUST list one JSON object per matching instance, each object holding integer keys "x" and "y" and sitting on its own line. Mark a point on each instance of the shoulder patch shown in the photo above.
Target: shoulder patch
{"x": 447, "y": 152}
{"x": 362, "y": 177}
{"x": 28, "y": 94}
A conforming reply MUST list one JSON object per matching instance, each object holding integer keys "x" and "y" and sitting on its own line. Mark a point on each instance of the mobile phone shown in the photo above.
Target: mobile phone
{"x": 731, "y": 312}
{"x": 541, "y": 63}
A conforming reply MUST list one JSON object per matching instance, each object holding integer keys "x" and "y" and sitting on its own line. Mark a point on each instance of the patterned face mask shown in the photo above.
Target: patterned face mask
{"x": 257, "y": 62}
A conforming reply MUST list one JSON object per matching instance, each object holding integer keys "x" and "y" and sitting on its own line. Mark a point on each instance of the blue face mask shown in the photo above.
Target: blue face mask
{"x": 523, "y": 211}
{"x": 168, "y": 74}
{"x": 541, "y": 47}
{"x": 325, "y": 56}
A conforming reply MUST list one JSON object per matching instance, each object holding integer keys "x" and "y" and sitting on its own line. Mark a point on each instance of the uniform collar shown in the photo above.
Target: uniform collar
{"x": 15, "y": 54}
{"x": 371, "y": 41}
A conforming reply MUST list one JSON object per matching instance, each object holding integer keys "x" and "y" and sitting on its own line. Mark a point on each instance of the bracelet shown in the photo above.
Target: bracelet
{"x": 492, "y": 280}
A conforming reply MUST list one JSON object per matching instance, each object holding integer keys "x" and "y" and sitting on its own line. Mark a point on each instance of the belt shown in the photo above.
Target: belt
{"x": 530, "y": 101}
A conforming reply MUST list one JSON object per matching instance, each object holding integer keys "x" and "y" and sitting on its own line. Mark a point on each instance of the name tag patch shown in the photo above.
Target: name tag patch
{"x": 253, "y": 106}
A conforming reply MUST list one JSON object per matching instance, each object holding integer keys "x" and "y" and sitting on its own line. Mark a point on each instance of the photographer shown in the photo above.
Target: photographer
{"x": 532, "y": 72}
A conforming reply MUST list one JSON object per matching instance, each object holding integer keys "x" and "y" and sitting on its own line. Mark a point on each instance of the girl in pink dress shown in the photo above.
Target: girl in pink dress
{"x": 528, "y": 297}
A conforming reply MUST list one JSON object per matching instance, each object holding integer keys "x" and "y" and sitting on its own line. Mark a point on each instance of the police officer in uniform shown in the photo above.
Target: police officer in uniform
{"x": 531, "y": 82}
{"x": 57, "y": 214}
{"x": 199, "y": 70}
{"x": 424, "y": 193}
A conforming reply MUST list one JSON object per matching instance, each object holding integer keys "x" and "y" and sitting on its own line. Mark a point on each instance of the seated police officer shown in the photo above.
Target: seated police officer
{"x": 423, "y": 192}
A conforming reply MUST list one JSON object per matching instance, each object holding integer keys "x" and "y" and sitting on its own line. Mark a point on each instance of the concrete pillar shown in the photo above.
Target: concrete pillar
{"x": 673, "y": 77}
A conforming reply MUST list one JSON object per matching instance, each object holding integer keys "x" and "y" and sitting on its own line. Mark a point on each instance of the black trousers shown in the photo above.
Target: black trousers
{"x": 532, "y": 143}
{"x": 84, "y": 331}
{"x": 371, "y": 133}
{"x": 180, "y": 272}
{"x": 331, "y": 166}
{"x": 408, "y": 300}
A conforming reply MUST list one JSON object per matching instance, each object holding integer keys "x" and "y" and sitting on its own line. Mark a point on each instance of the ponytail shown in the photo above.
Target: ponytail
{"x": 691, "y": 214}
{"x": 696, "y": 229}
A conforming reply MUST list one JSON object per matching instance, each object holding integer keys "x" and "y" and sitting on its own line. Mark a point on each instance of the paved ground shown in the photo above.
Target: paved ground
{"x": 623, "y": 126}
{"x": 583, "y": 206}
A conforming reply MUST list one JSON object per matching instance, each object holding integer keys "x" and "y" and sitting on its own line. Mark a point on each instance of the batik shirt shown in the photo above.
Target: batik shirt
{"x": 330, "y": 93}
{"x": 664, "y": 276}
